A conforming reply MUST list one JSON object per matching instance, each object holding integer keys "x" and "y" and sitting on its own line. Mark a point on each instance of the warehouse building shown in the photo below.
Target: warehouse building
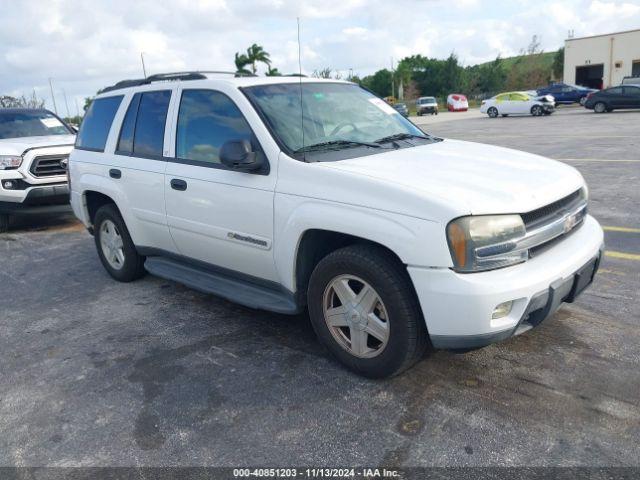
{"x": 601, "y": 61}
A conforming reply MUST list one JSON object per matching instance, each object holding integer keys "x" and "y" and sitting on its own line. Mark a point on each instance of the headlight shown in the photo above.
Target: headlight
{"x": 9, "y": 161}
{"x": 485, "y": 242}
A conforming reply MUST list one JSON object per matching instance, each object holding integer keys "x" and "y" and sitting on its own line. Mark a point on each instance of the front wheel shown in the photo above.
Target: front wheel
{"x": 536, "y": 110}
{"x": 492, "y": 112}
{"x": 4, "y": 223}
{"x": 364, "y": 310}
{"x": 600, "y": 107}
{"x": 115, "y": 248}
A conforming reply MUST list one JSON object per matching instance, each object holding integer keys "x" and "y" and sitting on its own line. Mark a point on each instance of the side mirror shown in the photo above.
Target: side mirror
{"x": 239, "y": 155}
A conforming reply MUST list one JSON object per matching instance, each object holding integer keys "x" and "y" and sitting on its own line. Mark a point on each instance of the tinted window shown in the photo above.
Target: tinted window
{"x": 614, "y": 91}
{"x": 632, "y": 92}
{"x": 149, "y": 130}
{"x": 206, "y": 120}
{"x": 125, "y": 142}
{"x": 97, "y": 123}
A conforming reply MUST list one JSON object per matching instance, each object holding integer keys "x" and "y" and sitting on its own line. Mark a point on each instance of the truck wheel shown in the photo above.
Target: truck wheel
{"x": 600, "y": 107}
{"x": 116, "y": 250}
{"x": 364, "y": 310}
{"x": 4, "y": 223}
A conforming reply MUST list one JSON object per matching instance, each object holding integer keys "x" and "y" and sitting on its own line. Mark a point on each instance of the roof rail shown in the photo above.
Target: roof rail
{"x": 171, "y": 76}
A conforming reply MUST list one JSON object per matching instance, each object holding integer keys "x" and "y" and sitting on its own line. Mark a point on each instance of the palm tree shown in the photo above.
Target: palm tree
{"x": 272, "y": 72}
{"x": 241, "y": 61}
{"x": 255, "y": 54}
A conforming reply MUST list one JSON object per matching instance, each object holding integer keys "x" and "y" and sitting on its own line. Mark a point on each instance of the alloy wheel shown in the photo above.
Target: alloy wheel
{"x": 112, "y": 245}
{"x": 356, "y": 316}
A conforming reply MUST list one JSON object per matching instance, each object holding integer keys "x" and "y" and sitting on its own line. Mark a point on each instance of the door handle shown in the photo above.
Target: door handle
{"x": 115, "y": 173}
{"x": 178, "y": 184}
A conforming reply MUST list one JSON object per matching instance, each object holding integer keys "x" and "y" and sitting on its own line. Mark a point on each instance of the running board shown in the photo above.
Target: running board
{"x": 235, "y": 289}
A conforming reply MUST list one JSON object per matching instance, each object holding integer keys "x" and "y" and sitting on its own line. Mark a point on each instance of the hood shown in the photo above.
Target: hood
{"x": 17, "y": 146}
{"x": 474, "y": 178}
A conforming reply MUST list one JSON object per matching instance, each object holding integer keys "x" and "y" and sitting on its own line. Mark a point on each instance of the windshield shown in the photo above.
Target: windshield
{"x": 16, "y": 124}
{"x": 336, "y": 115}
{"x": 427, "y": 100}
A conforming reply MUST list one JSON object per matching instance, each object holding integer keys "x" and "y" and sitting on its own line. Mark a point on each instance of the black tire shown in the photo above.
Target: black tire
{"x": 389, "y": 278}
{"x": 4, "y": 223}
{"x": 536, "y": 110}
{"x": 419, "y": 113}
{"x": 133, "y": 266}
{"x": 600, "y": 107}
{"x": 492, "y": 112}
{"x": 505, "y": 115}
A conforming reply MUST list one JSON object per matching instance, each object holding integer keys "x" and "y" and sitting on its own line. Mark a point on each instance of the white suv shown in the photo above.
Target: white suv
{"x": 34, "y": 149}
{"x": 392, "y": 238}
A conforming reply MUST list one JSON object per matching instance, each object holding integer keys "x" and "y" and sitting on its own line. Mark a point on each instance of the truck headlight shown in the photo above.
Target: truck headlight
{"x": 9, "y": 161}
{"x": 485, "y": 242}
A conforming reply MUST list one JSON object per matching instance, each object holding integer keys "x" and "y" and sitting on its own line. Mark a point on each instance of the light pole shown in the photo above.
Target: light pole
{"x": 66, "y": 104}
{"x": 144, "y": 70}
{"x": 53, "y": 98}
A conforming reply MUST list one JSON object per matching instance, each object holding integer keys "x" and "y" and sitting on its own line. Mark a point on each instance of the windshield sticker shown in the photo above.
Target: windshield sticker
{"x": 382, "y": 105}
{"x": 51, "y": 122}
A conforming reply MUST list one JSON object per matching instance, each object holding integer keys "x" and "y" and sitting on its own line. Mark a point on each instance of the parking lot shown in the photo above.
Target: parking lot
{"x": 100, "y": 373}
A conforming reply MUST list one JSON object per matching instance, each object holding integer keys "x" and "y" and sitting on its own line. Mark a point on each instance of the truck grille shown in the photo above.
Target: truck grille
{"x": 554, "y": 210}
{"x": 49, "y": 165}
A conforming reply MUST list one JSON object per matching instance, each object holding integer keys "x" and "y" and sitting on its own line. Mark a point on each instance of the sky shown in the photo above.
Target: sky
{"x": 86, "y": 45}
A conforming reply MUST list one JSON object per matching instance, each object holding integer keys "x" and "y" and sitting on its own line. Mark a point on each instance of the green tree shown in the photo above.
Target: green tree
{"x": 241, "y": 61}
{"x": 379, "y": 83}
{"x": 558, "y": 64}
{"x": 256, "y": 54}
{"x": 272, "y": 72}
{"x": 323, "y": 73}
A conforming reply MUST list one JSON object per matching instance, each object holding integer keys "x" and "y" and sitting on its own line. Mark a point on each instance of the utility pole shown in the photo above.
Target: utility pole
{"x": 77, "y": 109}
{"x": 144, "y": 70}
{"x": 53, "y": 98}
{"x": 64, "y": 94}
{"x": 393, "y": 83}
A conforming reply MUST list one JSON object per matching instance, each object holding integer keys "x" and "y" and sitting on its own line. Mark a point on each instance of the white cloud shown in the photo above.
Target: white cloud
{"x": 84, "y": 46}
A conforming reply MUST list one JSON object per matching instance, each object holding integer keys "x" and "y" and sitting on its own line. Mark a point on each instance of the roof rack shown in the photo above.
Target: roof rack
{"x": 172, "y": 76}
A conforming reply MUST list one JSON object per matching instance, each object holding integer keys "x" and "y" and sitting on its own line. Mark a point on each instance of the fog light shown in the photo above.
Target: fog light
{"x": 502, "y": 310}
{"x": 8, "y": 184}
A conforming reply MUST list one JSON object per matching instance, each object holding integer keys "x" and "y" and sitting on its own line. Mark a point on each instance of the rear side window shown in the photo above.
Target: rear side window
{"x": 615, "y": 91}
{"x": 125, "y": 142}
{"x": 206, "y": 120}
{"x": 97, "y": 123}
{"x": 148, "y": 138}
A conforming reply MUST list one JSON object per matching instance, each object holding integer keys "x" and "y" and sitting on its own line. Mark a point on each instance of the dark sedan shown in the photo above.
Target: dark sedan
{"x": 402, "y": 109}
{"x": 627, "y": 96}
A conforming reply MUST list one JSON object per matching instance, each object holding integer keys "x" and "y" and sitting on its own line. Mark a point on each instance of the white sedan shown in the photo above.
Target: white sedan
{"x": 518, "y": 103}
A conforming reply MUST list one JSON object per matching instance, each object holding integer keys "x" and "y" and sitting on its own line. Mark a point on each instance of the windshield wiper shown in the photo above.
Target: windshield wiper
{"x": 400, "y": 136}
{"x": 336, "y": 144}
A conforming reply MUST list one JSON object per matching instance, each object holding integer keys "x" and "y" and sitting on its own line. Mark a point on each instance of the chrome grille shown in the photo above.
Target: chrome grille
{"x": 49, "y": 165}
{"x": 545, "y": 226}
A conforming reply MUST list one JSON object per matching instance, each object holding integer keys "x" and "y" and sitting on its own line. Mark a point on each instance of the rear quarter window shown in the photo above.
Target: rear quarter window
{"x": 97, "y": 123}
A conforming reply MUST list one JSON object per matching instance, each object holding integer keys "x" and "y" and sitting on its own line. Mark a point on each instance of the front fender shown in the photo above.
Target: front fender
{"x": 415, "y": 241}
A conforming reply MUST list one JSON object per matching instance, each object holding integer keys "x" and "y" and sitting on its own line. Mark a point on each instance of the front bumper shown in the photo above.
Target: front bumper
{"x": 35, "y": 199}
{"x": 548, "y": 107}
{"x": 431, "y": 109}
{"x": 458, "y": 307}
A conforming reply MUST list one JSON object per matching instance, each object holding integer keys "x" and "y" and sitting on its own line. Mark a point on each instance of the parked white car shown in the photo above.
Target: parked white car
{"x": 392, "y": 238}
{"x": 518, "y": 103}
{"x": 34, "y": 148}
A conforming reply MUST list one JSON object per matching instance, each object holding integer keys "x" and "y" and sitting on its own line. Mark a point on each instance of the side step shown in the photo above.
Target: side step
{"x": 223, "y": 285}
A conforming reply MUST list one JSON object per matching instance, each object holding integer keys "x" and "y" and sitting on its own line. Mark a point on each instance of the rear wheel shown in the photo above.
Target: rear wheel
{"x": 600, "y": 107}
{"x": 364, "y": 310}
{"x": 115, "y": 248}
{"x": 536, "y": 110}
{"x": 4, "y": 223}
